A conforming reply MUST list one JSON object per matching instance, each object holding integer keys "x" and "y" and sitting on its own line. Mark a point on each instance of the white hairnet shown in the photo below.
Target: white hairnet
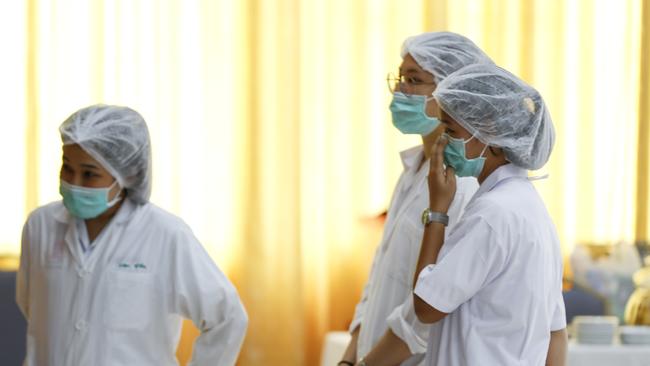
{"x": 117, "y": 137}
{"x": 442, "y": 53}
{"x": 500, "y": 110}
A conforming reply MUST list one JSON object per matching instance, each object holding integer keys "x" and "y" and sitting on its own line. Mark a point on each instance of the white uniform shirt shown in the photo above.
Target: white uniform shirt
{"x": 123, "y": 302}
{"x": 499, "y": 276}
{"x": 387, "y": 299}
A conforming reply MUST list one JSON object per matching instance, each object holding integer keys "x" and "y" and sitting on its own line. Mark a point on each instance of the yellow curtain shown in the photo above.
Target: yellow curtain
{"x": 271, "y": 135}
{"x": 643, "y": 159}
{"x": 584, "y": 57}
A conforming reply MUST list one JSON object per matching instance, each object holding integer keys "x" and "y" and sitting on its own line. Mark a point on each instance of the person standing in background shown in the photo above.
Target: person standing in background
{"x": 385, "y": 327}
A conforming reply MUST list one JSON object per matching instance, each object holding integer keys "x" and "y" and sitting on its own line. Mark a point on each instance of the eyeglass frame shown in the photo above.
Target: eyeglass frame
{"x": 397, "y": 83}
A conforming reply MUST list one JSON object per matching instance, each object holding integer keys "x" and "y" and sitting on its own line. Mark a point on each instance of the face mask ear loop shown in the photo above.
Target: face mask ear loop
{"x": 538, "y": 177}
{"x": 482, "y": 152}
{"x": 424, "y": 106}
{"x": 485, "y": 148}
{"x": 117, "y": 198}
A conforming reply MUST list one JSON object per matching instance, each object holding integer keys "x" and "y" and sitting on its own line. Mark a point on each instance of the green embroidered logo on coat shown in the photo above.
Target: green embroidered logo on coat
{"x": 139, "y": 267}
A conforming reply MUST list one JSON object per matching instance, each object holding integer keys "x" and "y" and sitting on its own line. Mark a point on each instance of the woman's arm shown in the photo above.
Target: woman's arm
{"x": 557, "y": 348}
{"x": 431, "y": 244}
{"x": 442, "y": 187}
{"x": 350, "y": 354}
{"x": 389, "y": 351}
{"x": 203, "y": 294}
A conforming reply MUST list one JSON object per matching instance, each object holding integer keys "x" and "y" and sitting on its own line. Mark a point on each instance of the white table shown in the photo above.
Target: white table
{"x": 333, "y": 348}
{"x": 579, "y": 354}
{"x": 606, "y": 355}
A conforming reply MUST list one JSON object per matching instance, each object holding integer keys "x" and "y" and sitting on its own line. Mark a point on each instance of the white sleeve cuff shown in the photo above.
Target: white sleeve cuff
{"x": 358, "y": 316}
{"x": 405, "y": 325}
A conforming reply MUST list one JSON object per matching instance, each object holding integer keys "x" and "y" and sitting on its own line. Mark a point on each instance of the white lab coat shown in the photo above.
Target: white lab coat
{"x": 387, "y": 296}
{"x": 123, "y": 303}
{"x": 499, "y": 276}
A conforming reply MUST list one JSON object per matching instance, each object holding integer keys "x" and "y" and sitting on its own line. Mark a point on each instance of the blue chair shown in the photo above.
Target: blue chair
{"x": 581, "y": 301}
{"x": 13, "y": 327}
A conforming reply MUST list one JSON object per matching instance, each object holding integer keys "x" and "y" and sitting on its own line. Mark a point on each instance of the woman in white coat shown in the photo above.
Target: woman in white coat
{"x": 385, "y": 330}
{"x": 106, "y": 276}
{"x": 496, "y": 278}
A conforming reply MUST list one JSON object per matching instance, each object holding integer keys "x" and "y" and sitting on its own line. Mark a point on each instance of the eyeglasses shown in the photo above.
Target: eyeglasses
{"x": 407, "y": 85}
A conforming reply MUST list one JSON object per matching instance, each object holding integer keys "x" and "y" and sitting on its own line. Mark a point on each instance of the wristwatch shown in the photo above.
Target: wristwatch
{"x": 429, "y": 216}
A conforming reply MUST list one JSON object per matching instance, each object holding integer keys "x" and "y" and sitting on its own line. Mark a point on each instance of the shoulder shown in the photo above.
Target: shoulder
{"x": 164, "y": 229}
{"x": 510, "y": 208}
{"x": 492, "y": 211}
{"x": 491, "y": 208}
{"x": 51, "y": 212}
{"x": 516, "y": 196}
{"x": 159, "y": 219}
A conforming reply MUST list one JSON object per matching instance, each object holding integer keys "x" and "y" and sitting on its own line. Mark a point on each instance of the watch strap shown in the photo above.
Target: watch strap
{"x": 429, "y": 216}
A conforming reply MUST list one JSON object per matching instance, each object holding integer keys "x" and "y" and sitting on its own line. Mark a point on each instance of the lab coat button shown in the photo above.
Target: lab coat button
{"x": 83, "y": 273}
{"x": 81, "y": 325}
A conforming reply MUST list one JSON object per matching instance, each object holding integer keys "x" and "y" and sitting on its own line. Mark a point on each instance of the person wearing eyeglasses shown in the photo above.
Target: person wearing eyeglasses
{"x": 493, "y": 282}
{"x": 105, "y": 276}
{"x": 385, "y": 330}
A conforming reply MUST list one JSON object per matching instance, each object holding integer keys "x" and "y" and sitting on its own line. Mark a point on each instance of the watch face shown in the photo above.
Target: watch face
{"x": 426, "y": 216}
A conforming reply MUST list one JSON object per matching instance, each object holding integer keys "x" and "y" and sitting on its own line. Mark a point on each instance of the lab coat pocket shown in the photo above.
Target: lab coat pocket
{"x": 130, "y": 297}
{"x": 404, "y": 251}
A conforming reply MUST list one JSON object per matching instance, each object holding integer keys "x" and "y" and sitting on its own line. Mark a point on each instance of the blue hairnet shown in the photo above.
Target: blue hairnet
{"x": 500, "y": 110}
{"x": 117, "y": 137}
{"x": 442, "y": 53}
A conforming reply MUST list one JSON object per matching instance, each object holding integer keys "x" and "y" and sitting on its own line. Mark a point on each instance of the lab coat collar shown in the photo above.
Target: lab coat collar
{"x": 410, "y": 182}
{"x": 500, "y": 174}
{"x": 122, "y": 216}
{"x": 61, "y": 214}
{"x": 411, "y": 157}
{"x": 125, "y": 212}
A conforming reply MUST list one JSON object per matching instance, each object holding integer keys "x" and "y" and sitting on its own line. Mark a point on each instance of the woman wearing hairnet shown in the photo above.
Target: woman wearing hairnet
{"x": 385, "y": 328}
{"x": 496, "y": 278}
{"x": 106, "y": 276}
